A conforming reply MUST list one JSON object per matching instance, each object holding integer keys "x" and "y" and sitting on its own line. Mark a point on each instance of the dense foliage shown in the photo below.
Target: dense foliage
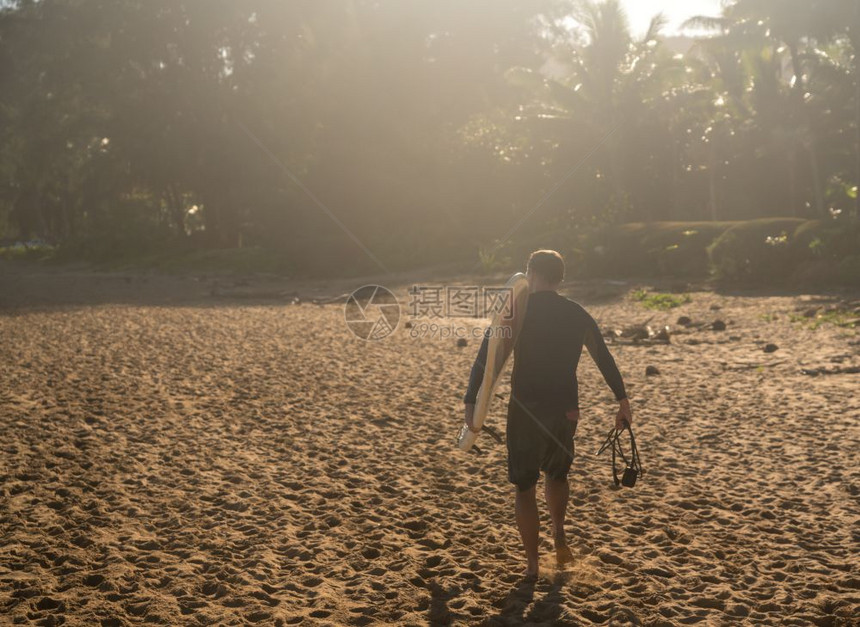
{"x": 383, "y": 132}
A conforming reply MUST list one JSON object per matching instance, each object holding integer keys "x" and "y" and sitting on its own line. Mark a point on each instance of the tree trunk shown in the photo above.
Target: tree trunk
{"x": 816, "y": 179}
{"x": 712, "y": 184}
{"x": 176, "y": 208}
{"x": 792, "y": 183}
{"x": 209, "y": 208}
{"x": 796, "y": 68}
{"x": 675, "y": 172}
{"x": 854, "y": 36}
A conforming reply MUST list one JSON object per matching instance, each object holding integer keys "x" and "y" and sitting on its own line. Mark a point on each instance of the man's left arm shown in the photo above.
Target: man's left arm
{"x": 599, "y": 352}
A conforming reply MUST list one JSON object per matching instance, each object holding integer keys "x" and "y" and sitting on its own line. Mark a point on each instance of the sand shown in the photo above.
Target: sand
{"x": 175, "y": 454}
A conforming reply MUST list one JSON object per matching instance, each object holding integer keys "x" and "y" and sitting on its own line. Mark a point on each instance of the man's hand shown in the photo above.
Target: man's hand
{"x": 624, "y": 418}
{"x": 470, "y": 415}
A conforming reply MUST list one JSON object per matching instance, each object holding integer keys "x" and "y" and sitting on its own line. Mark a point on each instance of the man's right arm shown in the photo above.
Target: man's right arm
{"x": 475, "y": 378}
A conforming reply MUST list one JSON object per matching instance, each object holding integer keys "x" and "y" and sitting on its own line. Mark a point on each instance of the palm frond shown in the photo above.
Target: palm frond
{"x": 705, "y": 22}
{"x": 657, "y": 24}
{"x": 587, "y": 14}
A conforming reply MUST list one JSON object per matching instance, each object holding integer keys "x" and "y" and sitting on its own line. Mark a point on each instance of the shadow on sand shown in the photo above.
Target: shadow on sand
{"x": 520, "y": 605}
{"x": 542, "y": 602}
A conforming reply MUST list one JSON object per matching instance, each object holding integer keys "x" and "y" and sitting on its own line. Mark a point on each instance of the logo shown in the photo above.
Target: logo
{"x": 372, "y": 312}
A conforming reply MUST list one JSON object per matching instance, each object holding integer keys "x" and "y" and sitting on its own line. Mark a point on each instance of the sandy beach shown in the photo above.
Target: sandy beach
{"x": 210, "y": 451}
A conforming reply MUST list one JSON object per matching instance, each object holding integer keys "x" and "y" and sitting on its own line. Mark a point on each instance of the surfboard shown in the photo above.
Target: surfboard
{"x": 504, "y": 330}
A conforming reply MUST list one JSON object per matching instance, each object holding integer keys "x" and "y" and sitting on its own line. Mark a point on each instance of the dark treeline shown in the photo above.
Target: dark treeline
{"x": 429, "y": 128}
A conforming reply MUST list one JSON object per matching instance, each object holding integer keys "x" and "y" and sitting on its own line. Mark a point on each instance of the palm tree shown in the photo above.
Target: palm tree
{"x": 604, "y": 84}
{"x": 764, "y": 52}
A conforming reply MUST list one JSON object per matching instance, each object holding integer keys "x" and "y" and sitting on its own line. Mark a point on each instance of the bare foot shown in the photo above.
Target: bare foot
{"x": 562, "y": 552}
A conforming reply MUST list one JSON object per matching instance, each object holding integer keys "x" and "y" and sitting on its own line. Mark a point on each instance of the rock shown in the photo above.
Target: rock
{"x": 408, "y": 324}
{"x": 651, "y": 371}
{"x": 810, "y": 313}
{"x": 684, "y": 321}
{"x": 461, "y": 342}
{"x": 663, "y": 335}
{"x": 716, "y": 307}
{"x": 771, "y": 348}
{"x": 718, "y": 325}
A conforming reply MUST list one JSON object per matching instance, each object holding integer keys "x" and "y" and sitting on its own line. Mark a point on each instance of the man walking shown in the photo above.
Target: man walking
{"x": 543, "y": 410}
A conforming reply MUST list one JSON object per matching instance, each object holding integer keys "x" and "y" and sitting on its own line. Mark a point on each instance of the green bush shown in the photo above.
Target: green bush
{"x": 677, "y": 249}
{"x": 831, "y": 250}
{"x": 829, "y": 240}
{"x": 514, "y": 254}
{"x": 39, "y": 252}
{"x": 112, "y": 249}
{"x": 847, "y": 272}
{"x": 659, "y": 301}
{"x": 758, "y": 250}
{"x": 767, "y": 250}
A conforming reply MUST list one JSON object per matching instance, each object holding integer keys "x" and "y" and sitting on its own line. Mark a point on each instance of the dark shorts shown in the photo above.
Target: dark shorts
{"x": 539, "y": 438}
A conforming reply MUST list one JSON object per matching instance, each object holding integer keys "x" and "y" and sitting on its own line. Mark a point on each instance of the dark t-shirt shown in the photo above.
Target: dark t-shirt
{"x": 547, "y": 353}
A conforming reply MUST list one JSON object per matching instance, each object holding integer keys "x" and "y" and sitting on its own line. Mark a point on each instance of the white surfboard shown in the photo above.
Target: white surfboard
{"x": 505, "y": 329}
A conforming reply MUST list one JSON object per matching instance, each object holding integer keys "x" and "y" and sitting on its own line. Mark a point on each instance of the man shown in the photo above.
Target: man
{"x": 543, "y": 410}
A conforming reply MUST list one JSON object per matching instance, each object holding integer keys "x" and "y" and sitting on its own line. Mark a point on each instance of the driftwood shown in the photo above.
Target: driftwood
{"x": 824, "y": 370}
{"x": 698, "y": 325}
{"x": 639, "y": 335}
{"x": 342, "y": 298}
{"x": 637, "y": 330}
{"x": 754, "y": 366}
{"x": 645, "y": 342}
{"x": 291, "y": 296}
{"x": 253, "y": 295}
